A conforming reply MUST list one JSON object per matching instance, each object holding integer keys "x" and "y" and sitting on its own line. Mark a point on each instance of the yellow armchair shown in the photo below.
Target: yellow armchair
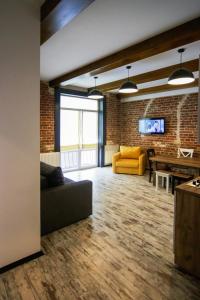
{"x": 142, "y": 164}
{"x": 115, "y": 158}
{"x": 130, "y": 160}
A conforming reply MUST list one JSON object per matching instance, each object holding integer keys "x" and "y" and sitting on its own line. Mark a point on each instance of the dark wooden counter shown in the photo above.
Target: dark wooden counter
{"x": 187, "y": 229}
{"x": 189, "y": 189}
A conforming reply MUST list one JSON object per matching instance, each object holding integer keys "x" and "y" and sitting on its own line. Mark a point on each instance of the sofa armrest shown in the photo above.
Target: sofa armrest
{"x": 65, "y": 204}
{"x": 142, "y": 163}
{"x": 115, "y": 158}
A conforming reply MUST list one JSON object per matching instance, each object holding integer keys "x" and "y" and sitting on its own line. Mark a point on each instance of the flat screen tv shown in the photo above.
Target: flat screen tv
{"x": 152, "y": 126}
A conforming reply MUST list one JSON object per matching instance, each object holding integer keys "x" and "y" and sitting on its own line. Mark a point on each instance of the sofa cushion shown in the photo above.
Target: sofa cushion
{"x": 54, "y": 175}
{"x": 127, "y": 163}
{"x": 67, "y": 180}
{"x": 130, "y": 152}
{"x": 43, "y": 182}
{"x": 46, "y": 169}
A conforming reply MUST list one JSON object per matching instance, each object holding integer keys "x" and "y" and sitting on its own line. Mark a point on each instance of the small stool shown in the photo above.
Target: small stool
{"x": 164, "y": 174}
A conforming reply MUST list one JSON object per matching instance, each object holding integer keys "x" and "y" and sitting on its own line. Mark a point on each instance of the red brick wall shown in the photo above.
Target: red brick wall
{"x": 112, "y": 120}
{"x": 172, "y": 108}
{"x": 47, "y": 118}
{"x": 122, "y": 122}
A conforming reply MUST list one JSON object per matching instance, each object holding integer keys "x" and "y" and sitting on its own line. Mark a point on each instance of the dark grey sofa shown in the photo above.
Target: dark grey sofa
{"x": 65, "y": 203}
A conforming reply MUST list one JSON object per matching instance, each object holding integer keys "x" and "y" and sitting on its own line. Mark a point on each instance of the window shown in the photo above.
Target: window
{"x": 82, "y": 103}
{"x": 78, "y": 132}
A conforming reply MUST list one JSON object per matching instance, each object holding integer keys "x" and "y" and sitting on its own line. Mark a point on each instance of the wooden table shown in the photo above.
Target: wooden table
{"x": 187, "y": 228}
{"x": 181, "y": 161}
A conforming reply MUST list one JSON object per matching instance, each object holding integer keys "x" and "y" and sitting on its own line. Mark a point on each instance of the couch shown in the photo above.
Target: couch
{"x": 63, "y": 201}
{"x": 129, "y": 160}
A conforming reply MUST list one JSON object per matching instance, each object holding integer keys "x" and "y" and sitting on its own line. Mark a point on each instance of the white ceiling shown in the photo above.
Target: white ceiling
{"x": 107, "y": 26}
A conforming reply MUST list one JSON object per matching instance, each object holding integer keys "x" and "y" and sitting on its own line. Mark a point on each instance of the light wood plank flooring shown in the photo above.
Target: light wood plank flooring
{"x": 124, "y": 251}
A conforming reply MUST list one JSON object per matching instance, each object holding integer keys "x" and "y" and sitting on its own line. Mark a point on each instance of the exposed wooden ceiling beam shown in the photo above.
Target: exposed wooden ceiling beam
{"x": 159, "y": 89}
{"x": 181, "y": 35}
{"x": 192, "y": 65}
{"x": 55, "y": 14}
{"x": 47, "y": 8}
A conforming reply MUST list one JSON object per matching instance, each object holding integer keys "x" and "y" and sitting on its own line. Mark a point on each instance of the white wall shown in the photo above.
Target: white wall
{"x": 19, "y": 130}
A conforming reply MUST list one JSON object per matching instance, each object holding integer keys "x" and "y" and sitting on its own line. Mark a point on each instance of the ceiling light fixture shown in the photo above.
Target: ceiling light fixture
{"x": 94, "y": 93}
{"x": 128, "y": 86}
{"x": 181, "y": 75}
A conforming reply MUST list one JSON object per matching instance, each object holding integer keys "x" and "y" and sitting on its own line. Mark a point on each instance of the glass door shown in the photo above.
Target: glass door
{"x": 69, "y": 139}
{"x": 78, "y": 134}
{"x": 89, "y": 147}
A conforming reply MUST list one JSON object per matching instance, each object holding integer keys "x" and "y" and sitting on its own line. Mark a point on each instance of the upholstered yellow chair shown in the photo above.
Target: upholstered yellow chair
{"x": 130, "y": 160}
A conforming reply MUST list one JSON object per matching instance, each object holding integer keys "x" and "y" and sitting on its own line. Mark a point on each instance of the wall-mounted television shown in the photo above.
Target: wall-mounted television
{"x": 152, "y": 126}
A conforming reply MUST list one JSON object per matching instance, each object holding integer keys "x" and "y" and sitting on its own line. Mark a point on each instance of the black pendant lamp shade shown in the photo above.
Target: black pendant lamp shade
{"x": 94, "y": 93}
{"x": 181, "y": 75}
{"x": 128, "y": 86}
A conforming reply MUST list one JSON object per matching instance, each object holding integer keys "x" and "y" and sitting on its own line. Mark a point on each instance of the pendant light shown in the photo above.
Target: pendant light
{"x": 181, "y": 75}
{"x": 128, "y": 86}
{"x": 94, "y": 93}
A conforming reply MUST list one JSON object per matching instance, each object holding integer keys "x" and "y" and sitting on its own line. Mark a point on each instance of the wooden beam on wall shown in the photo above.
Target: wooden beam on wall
{"x": 55, "y": 14}
{"x": 181, "y": 35}
{"x": 159, "y": 89}
{"x": 192, "y": 65}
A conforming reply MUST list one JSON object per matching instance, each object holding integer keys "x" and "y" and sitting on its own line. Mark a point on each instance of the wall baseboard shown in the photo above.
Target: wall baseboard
{"x": 21, "y": 262}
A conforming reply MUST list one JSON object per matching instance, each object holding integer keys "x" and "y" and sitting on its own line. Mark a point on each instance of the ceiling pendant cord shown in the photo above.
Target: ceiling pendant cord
{"x": 128, "y": 68}
{"x": 181, "y": 56}
{"x": 95, "y": 81}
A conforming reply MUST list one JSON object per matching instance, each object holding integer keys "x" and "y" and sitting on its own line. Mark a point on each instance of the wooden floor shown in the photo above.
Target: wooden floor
{"x": 124, "y": 251}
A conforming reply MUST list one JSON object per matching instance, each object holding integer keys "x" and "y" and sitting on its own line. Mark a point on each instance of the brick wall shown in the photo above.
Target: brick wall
{"x": 181, "y": 123}
{"x": 112, "y": 120}
{"x": 122, "y": 122}
{"x": 47, "y": 118}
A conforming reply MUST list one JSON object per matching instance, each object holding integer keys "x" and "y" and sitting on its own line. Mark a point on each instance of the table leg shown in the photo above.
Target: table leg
{"x": 173, "y": 185}
{"x": 154, "y": 169}
{"x": 156, "y": 182}
{"x": 167, "y": 184}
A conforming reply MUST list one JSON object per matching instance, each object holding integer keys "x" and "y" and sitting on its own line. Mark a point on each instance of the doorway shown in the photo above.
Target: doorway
{"x": 78, "y": 133}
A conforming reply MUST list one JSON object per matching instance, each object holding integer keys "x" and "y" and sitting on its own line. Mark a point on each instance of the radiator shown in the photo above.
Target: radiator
{"x": 51, "y": 158}
{"x": 109, "y": 151}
